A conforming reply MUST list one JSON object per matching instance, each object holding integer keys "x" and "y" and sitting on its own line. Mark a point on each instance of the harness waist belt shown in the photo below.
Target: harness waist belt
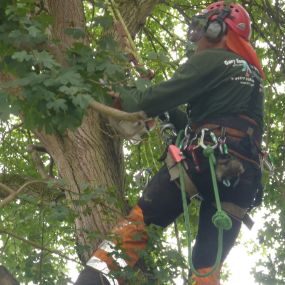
{"x": 236, "y": 126}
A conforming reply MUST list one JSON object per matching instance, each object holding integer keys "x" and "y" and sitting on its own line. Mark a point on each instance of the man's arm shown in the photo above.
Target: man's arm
{"x": 184, "y": 87}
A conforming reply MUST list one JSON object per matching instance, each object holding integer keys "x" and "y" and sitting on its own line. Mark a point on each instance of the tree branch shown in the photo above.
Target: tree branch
{"x": 6, "y": 188}
{"x": 38, "y": 163}
{"x": 117, "y": 114}
{"x": 34, "y": 149}
{"x": 15, "y": 194}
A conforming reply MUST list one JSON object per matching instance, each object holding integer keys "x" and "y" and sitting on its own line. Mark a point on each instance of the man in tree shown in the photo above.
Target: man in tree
{"x": 222, "y": 86}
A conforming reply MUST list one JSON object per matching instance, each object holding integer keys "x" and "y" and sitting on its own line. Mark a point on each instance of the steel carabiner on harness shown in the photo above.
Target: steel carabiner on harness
{"x": 192, "y": 149}
{"x": 213, "y": 138}
{"x": 222, "y": 142}
{"x": 223, "y": 148}
{"x": 267, "y": 162}
{"x": 168, "y": 133}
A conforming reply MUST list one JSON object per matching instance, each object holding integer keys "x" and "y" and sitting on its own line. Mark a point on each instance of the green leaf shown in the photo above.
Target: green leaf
{"x": 22, "y": 56}
{"x": 34, "y": 31}
{"x": 15, "y": 34}
{"x": 70, "y": 77}
{"x": 5, "y": 109}
{"x": 158, "y": 56}
{"x": 142, "y": 84}
{"x": 44, "y": 19}
{"x": 73, "y": 90}
{"x": 82, "y": 100}
{"x": 58, "y": 105}
{"x": 109, "y": 68}
{"x": 105, "y": 21}
{"x": 76, "y": 33}
{"x": 45, "y": 59}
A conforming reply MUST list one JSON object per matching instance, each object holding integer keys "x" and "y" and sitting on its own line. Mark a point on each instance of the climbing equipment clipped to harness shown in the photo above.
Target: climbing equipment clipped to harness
{"x": 221, "y": 220}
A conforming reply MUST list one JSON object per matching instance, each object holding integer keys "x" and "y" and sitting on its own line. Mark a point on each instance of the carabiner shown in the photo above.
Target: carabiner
{"x": 168, "y": 132}
{"x": 187, "y": 136}
{"x": 267, "y": 161}
{"x": 213, "y": 137}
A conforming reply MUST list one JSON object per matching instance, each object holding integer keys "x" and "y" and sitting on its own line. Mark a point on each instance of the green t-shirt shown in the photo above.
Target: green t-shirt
{"x": 215, "y": 82}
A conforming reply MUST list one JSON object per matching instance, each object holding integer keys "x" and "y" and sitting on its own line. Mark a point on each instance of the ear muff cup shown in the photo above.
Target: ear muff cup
{"x": 215, "y": 30}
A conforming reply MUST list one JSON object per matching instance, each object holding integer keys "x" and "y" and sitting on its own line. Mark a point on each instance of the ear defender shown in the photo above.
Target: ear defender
{"x": 215, "y": 31}
{"x": 217, "y": 28}
{"x": 211, "y": 25}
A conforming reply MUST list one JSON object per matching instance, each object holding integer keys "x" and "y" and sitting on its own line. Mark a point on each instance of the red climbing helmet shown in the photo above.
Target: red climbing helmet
{"x": 231, "y": 19}
{"x": 238, "y": 20}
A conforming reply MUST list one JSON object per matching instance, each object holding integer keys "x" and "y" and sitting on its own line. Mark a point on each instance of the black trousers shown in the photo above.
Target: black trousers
{"x": 161, "y": 203}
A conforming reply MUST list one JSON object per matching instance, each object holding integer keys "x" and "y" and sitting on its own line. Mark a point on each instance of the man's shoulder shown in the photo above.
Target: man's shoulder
{"x": 215, "y": 54}
{"x": 212, "y": 59}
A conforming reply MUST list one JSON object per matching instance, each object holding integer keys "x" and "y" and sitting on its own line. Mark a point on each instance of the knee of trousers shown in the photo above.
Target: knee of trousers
{"x": 213, "y": 279}
{"x": 129, "y": 240}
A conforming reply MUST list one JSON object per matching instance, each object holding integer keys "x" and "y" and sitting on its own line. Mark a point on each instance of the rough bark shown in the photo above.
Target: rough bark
{"x": 135, "y": 13}
{"x": 6, "y": 277}
{"x": 90, "y": 155}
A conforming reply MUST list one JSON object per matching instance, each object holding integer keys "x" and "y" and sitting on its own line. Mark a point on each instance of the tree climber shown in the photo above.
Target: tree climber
{"x": 222, "y": 86}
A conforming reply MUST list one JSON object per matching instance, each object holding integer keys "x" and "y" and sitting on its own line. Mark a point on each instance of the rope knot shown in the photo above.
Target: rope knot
{"x": 221, "y": 220}
{"x": 208, "y": 151}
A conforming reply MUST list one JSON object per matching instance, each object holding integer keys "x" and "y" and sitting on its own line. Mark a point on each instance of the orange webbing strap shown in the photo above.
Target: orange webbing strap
{"x": 213, "y": 279}
{"x": 130, "y": 236}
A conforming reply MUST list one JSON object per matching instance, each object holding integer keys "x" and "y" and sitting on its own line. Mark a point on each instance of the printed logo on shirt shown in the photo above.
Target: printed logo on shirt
{"x": 237, "y": 63}
{"x": 244, "y": 79}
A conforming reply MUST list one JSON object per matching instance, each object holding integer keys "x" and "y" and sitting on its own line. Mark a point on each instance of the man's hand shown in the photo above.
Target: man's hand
{"x": 126, "y": 129}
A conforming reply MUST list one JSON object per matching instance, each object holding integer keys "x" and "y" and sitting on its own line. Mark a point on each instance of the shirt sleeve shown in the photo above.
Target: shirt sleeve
{"x": 184, "y": 87}
{"x": 178, "y": 118}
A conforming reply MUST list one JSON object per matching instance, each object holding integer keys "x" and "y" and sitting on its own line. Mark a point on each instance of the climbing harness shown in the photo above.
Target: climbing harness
{"x": 189, "y": 143}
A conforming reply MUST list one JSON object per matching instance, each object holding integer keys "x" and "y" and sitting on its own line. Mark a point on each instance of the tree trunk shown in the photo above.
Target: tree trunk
{"x": 90, "y": 155}
{"x": 6, "y": 278}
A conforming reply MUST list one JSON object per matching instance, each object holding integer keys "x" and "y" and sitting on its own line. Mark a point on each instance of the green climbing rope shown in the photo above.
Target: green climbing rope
{"x": 221, "y": 220}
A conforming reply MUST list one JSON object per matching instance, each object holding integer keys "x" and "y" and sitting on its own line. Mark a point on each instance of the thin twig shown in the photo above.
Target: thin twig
{"x": 155, "y": 39}
{"x": 35, "y": 245}
{"x": 154, "y": 48}
{"x": 15, "y": 194}
{"x": 9, "y": 131}
{"x": 172, "y": 35}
